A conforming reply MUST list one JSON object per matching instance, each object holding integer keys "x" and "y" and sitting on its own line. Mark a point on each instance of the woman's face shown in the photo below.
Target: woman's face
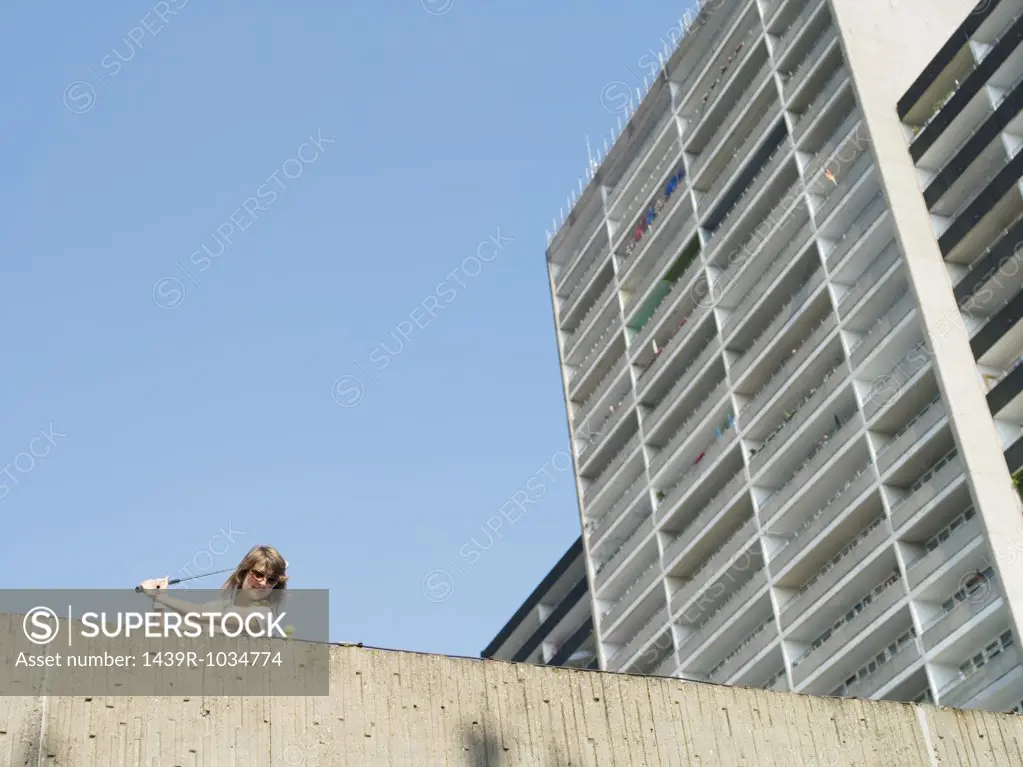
{"x": 260, "y": 580}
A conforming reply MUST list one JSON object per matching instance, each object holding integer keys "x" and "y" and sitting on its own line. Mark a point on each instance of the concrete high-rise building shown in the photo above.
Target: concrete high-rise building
{"x": 554, "y": 626}
{"x": 793, "y": 436}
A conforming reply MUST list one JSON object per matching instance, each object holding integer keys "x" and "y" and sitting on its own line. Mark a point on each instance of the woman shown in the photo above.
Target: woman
{"x": 256, "y": 587}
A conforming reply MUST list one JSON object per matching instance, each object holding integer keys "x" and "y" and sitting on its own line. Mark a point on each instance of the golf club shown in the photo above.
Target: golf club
{"x": 172, "y": 581}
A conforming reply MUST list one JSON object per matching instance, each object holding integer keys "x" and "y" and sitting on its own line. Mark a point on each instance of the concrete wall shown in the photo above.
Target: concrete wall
{"x": 401, "y": 708}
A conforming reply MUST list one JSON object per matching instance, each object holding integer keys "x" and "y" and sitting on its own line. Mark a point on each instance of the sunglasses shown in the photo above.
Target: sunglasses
{"x": 269, "y": 580}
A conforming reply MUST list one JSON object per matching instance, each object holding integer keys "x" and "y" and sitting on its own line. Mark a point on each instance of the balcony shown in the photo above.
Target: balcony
{"x": 795, "y": 79}
{"x": 875, "y": 274}
{"x": 871, "y": 228}
{"x": 875, "y": 535}
{"x": 927, "y": 488}
{"x": 871, "y": 684}
{"x": 643, "y": 636}
{"x": 787, "y": 317}
{"x": 799, "y": 23}
{"x": 758, "y": 291}
{"x": 597, "y": 435}
{"x": 585, "y": 336}
{"x": 746, "y": 150}
{"x": 591, "y": 492}
{"x": 746, "y": 651}
{"x": 879, "y": 331}
{"x": 828, "y": 513}
{"x": 753, "y": 99}
{"x": 636, "y": 284}
{"x": 665, "y": 167}
{"x": 681, "y": 344}
{"x": 669, "y": 302}
{"x": 904, "y": 441}
{"x": 734, "y": 606}
{"x": 904, "y": 372}
{"x": 963, "y": 689}
{"x": 635, "y": 239}
{"x": 714, "y": 563}
{"x": 573, "y": 302}
{"x": 600, "y": 391}
{"x": 806, "y": 407}
{"x": 946, "y": 624}
{"x": 607, "y": 569}
{"x": 606, "y": 353}
{"x": 711, "y": 401}
{"x": 821, "y": 101}
{"x": 964, "y": 538}
{"x": 711, "y": 452}
{"x": 705, "y": 521}
{"x": 597, "y": 348}
{"x": 850, "y": 179}
{"x": 780, "y": 156}
{"x": 843, "y": 635}
{"x": 668, "y": 666}
{"x": 822, "y": 452}
{"x": 632, "y": 493}
{"x": 630, "y": 597}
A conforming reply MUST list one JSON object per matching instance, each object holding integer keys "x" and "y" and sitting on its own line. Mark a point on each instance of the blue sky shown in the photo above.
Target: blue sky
{"x": 164, "y": 409}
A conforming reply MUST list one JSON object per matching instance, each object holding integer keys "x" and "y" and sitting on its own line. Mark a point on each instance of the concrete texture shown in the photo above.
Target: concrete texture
{"x": 399, "y": 708}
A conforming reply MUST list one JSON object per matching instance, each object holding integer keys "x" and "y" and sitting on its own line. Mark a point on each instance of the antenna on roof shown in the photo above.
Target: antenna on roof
{"x": 589, "y": 153}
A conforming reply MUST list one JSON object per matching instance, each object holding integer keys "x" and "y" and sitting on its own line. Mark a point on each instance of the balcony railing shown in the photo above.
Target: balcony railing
{"x": 905, "y": 438}
{"x": 644, "y": 635}
{"x": 713, "y": 563}
{"x": 568, "y": 305}
{"x": 798, "y": 357}
{"x": 600, "y": 390}
{"x": 645, "y": 227}
{"x": 616, "y": 463}
{"x": 921, "y": 569}
{"x": 839, "y": 193}
{"x": 836, "y": 569}
{"x": 742, "y": 154}
{"x": 668, "y": 666}
{"x": 602, "y": 429}
{"x": 692, "y": 530}
{"x": 625, "y": 500}
{"x": 774, "y": 329}
{"x": 823, "y": 517}
{"x": 819, "y": 102}
{"x": 879, "y": 331}
{"x": 577, "y": 336}
{"x": 781, "y": 154}
{"x": 657, "y": 272}
{"x": 823, "y": 157}
{"x": 928, "y": 487}
{"x": 756, "y": 641}
{"x": 660, "y": 171}
{"x": 909, "y": 366}
{"x": 871, "y": 278}
{"x": 685, "y": 379}
{"x": 794, "y": 78}
{"x": 871, "y": 216}
{"x": 769, "y": 116}
{"x": 789, "y": 34}
{"x": 944, "y": 625}
{"x": 822, "y": 452}
{"x": 733, "y": 604}
{"x": 884, "y": 672}
{"x": 762, "y": 285}
{"x": 666, "y": 351}
{"x": 669, "y": 298}
{"x": 699, "y": 119}
{"x": 628, "y": 600}
{"x": 815, "y": 657}
{"x": 593, "y": 353}
{"x": 608, "y": 568}
{"x": 799, "y": 415}
{"x": 686, "y": 430}
{"x": 963, "y": 688}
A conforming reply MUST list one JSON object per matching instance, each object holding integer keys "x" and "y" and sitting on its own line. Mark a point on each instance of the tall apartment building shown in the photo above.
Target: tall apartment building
{"x": 790, "y": 476}
{"x": 554, "y": 626}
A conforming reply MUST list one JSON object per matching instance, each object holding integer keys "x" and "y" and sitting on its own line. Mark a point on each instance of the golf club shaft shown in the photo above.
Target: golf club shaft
{"x": 172, "y": 581}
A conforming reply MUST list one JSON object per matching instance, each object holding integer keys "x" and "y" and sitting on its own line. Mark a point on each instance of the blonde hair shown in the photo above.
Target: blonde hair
{"x": 267, "y": 559}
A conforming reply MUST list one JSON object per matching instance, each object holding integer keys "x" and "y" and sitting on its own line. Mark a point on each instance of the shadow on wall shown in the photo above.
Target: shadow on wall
{"x": 486, "y": 750}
